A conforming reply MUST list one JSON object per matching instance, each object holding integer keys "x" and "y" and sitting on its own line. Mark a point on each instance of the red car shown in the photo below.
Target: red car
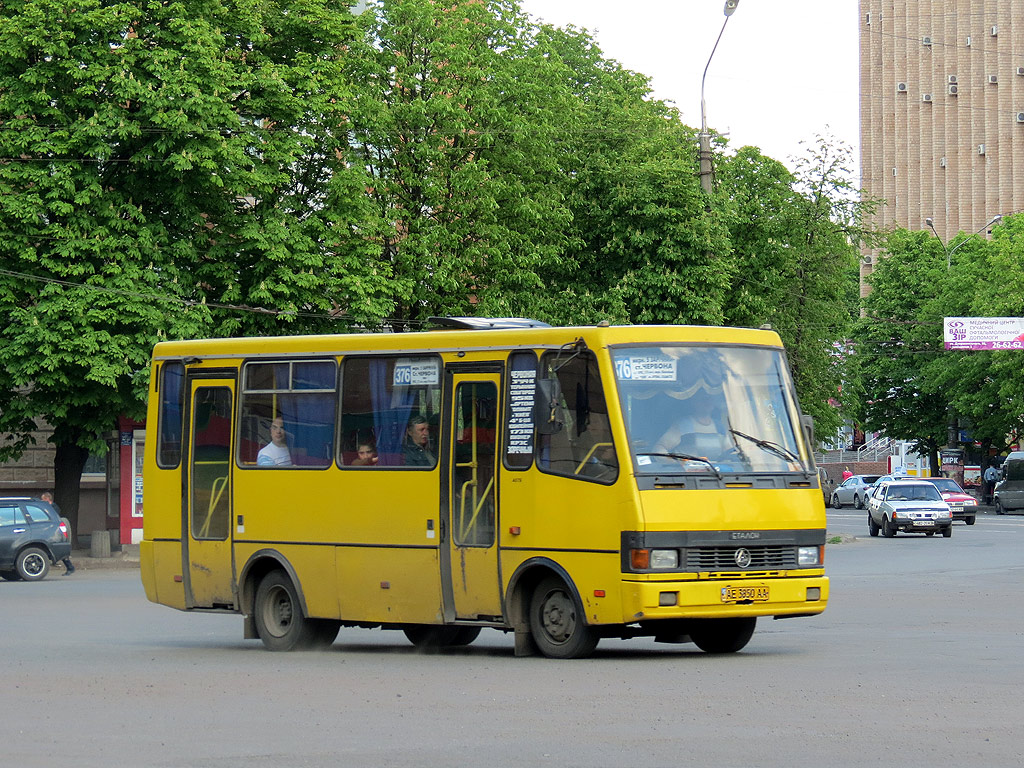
{"x": 961, "y": 503}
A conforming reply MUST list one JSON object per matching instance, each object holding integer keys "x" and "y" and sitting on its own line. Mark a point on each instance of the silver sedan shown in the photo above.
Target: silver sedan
{"x": 908, "y": 506}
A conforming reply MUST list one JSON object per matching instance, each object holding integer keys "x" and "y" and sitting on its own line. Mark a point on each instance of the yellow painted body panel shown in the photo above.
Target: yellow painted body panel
{"x": 702, "y": 599}
{"x": 161, "y": 566}
{"x": 741, "y": 509}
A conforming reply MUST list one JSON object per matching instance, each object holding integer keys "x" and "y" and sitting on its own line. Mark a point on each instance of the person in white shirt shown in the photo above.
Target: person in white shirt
{"x": 275, "y": 453}
{"x": 990, "y": 477}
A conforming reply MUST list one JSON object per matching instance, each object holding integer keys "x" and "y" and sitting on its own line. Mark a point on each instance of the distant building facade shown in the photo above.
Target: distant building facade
{"x": 941, "y": 113}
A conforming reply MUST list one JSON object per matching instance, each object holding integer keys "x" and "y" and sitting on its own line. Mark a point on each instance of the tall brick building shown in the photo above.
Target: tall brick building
{"x": 942, "y": 112}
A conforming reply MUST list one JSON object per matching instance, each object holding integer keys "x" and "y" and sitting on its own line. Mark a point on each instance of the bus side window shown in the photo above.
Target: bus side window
{"x": 300, "y": 397}
{"x": 384, "y": 401}
{"x": 172, "y": 410}
{"x": 519, "y": 410}
{"x": 582, "y": 447}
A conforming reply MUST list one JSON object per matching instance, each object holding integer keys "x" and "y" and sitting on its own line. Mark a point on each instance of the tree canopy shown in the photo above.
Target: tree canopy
{"x": 228, "y": 167}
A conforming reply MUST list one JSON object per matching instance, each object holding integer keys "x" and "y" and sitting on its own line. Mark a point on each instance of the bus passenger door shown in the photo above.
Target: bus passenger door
{"x": 207, "y": 550}
{"x": 469, "y": 552}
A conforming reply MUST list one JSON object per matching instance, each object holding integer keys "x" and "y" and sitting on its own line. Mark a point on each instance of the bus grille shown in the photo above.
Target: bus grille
{"x": 724, "y": 558}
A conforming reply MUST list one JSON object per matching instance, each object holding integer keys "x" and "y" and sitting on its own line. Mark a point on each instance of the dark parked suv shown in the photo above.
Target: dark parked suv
{"x": 32, "y": 537}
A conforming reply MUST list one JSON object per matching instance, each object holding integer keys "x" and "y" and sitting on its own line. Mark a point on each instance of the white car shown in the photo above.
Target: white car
{"x": 911, "y": 506}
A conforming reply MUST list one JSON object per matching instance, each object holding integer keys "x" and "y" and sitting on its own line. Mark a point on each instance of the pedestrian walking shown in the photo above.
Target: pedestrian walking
{"x": 989, "y": 483}
{"x": 46, "y": 496}
{"x": 847, "y": 474}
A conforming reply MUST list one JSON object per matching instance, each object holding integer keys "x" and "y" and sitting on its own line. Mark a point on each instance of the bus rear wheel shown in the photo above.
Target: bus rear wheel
{"x": 428, "y": 636}
{"x": 279, "y": 620}
{"x": 557, "y": 624}
{"x": 722, "y": 635}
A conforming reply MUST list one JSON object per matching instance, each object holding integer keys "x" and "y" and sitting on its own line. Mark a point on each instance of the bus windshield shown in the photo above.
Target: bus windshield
{"x": 709, "y": 409}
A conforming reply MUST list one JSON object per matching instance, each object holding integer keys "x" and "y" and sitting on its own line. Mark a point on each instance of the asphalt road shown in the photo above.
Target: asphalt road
{"x": 916, "y": 662}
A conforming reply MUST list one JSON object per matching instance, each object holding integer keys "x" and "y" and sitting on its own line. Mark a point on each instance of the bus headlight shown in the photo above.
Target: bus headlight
{"x": 664, "y": 558}
{"x": 808, "y": 556}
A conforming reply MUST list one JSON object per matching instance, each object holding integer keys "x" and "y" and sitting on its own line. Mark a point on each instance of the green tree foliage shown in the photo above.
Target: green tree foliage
{"x": 915, "y": 389}
{"x": 154, "y": 164}
{"x": 642, "y": 246}
{"x": 794, "y": 239}
{"x": 899, "y": 336}
{"x": 455, "y": 121}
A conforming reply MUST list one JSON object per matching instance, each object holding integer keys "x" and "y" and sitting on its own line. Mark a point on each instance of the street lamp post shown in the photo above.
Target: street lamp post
{"x": 704, "y": 137}
{"x": 950, "y": 251}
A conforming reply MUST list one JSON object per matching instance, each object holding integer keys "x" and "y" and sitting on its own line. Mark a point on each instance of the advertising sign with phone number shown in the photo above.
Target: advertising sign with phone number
{"x": 980, "y": 333}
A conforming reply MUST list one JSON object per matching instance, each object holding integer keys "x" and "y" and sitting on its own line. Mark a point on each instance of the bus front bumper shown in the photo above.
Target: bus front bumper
{"x": 719, "y": 598}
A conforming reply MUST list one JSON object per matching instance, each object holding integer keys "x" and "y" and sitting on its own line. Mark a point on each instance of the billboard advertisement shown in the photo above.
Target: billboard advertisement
{"x": 979, "y": 333}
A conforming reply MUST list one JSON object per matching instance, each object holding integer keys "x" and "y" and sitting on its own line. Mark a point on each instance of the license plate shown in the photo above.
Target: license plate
{"x": 924, "y": 522}
{"x": 736, "y": 594}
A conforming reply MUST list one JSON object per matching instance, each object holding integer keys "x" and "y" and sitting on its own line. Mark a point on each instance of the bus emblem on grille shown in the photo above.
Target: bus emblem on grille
{"x": 743, "y": 558}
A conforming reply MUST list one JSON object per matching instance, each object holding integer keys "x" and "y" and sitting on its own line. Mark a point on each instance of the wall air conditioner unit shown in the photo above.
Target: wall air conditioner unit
{"x": 901, "y": 87}
{"x": 893, "y": 171}
{"x": 981, "y": 149}
{"x": 926, "y": 97}
{"x": 993, "y": 79}
{"x": 1020, "y": 71}
{"x": 995, "y": 30}
{"x": 951, "y": 79}
{"x": 953, "y": 90}
{"x": 1020, "y": 117}
{"x": 968, "y": 41}
{"x": 868, "y": 260}
{"x": 942, "y": 162}
{"x": 867, "y": 19}
{"x": 926, "y": 41}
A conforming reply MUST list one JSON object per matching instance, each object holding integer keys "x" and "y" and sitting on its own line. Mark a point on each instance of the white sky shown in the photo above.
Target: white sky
{"x": 784, "y": 71}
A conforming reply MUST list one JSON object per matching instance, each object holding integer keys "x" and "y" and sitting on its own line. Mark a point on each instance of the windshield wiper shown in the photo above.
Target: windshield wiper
{"x": 769, "y": 446}
{"x": 686, "y": 457}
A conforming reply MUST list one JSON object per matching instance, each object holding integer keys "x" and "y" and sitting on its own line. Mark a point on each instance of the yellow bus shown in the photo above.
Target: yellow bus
{"x": 562, "y": 484}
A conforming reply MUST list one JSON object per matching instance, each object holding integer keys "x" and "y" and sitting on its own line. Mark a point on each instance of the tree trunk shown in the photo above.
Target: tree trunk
{"x": 68, "y": 463}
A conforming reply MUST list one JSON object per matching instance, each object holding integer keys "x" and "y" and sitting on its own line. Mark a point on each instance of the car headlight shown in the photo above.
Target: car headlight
{"x": 900, "y": 514}
{"x": 971, "y": 503}
{"x": 664, "y": 558}
{"x": 808, "y": 556}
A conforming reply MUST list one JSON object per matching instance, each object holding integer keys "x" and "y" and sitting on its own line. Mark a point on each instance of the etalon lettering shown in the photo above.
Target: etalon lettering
{"x": 746, "y": 535}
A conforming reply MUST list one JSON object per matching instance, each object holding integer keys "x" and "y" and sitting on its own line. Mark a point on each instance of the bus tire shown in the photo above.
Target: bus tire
{"x": 32, "y": 564}
{"x": 428, "y": 636}
{"x": 557, "y": 623}
{"x": 722, "y": 635}
{"x": 280, "y": 623}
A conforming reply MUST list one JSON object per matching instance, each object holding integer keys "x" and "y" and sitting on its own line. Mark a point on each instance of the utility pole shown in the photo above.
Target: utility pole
{"x": 707, "y": 171}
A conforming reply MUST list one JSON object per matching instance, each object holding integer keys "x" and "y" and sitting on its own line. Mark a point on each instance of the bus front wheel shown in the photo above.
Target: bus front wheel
{"x": 722, "y": 635}
{"x": 279, "y": 620}
{"x": 557, "y": 623}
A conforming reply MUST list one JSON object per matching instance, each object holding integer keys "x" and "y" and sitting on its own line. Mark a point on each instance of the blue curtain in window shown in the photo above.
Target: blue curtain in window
{"x": 391, "y": 411}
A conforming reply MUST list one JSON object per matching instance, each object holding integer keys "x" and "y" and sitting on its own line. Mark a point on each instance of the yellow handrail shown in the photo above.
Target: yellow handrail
{"x": 589, "y": 454}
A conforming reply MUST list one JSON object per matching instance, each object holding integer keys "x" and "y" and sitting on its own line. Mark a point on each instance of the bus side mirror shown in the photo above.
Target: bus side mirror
{"x": 807, "y": 422}
{"x": 549, "y": 406}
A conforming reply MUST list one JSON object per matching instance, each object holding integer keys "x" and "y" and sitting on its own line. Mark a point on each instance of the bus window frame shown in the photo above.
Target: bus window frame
{"x": 244, "y": 391}
{"x": 160, "y": 389}
{"x": 508, "y": 411}
{"x": 438, "y": 414}
{"x": 589, "y": 356}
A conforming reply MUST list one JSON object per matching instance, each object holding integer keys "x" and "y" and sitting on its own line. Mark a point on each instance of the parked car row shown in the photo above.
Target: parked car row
{"x": 32, "y": 538}
{"x": 904, "y": 503}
